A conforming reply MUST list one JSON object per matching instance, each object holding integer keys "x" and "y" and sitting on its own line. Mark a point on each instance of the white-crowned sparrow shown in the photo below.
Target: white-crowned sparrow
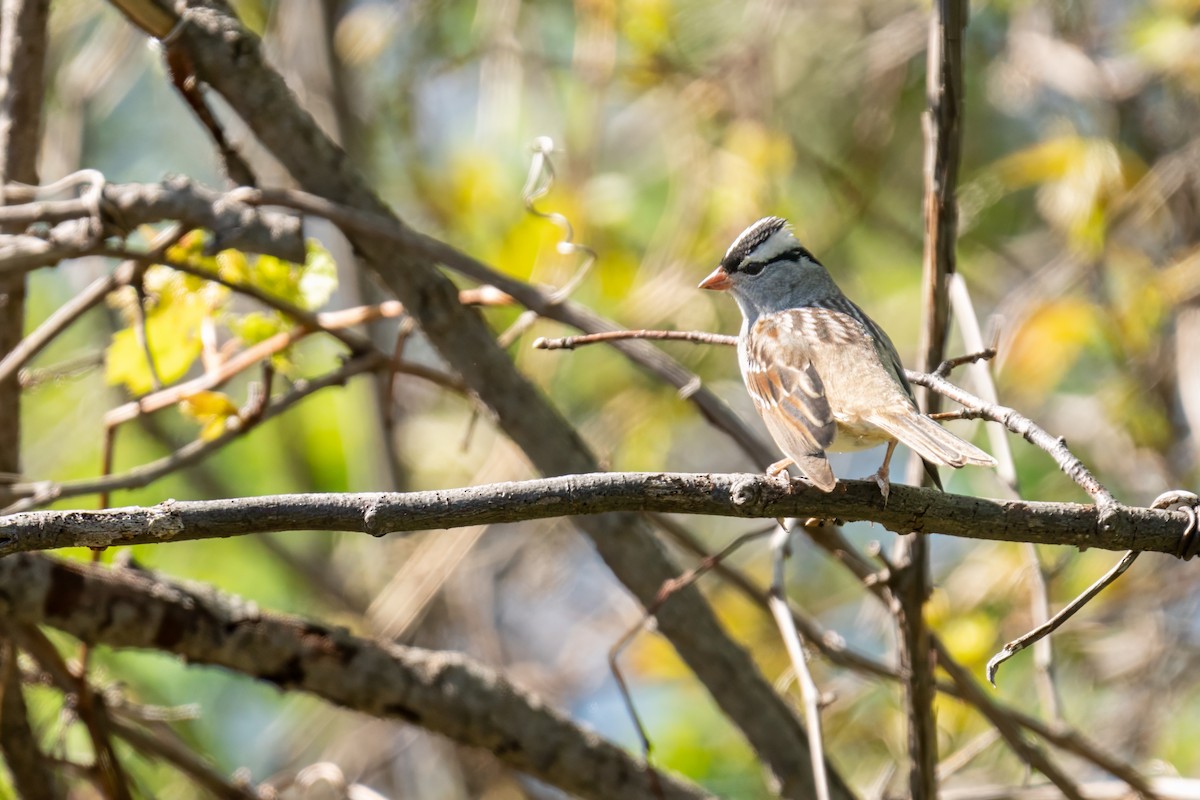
{"x": 822, "y": 374}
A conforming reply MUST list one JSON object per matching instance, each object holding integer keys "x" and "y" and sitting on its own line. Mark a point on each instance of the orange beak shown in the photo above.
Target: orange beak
{"x": 718, "y": 280}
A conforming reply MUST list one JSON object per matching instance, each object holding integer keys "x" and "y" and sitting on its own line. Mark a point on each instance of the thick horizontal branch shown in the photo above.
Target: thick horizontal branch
{"x": 443, "y": 692}
{"x": 732, "y": 495}
{"x": 119, "y": 209}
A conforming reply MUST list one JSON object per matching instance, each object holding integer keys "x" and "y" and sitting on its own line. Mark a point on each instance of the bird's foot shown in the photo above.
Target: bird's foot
{"x": 881, "y": 474}
{"x": 778, "y": 472}
{"x": 881, "y": 480}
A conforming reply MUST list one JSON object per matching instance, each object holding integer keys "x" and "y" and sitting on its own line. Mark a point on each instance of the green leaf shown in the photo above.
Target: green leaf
{"x": 256, "y": 326}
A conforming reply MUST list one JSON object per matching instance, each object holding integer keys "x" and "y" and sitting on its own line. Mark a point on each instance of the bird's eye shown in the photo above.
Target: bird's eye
{"x": 754, "y": 267}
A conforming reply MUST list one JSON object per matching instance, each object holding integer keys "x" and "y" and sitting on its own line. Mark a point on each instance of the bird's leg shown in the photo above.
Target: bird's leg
{"x": 881, "y": 475}
{"x": 780, "y": 468}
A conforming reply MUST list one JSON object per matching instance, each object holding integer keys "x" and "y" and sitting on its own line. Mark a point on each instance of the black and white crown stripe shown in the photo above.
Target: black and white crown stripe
{"x": 760, "y": 245}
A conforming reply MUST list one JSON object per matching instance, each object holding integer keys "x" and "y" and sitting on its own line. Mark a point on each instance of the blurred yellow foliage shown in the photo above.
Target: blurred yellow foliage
{"x": 747, "y": 163}
{"x": 1138, "y": 301}
{"x": 1169, "y": 40}
{"x": 476, "y": 185}
{"x": 646, "y": 24}
{"x": 1049, "y": 343}
{"x": 1079, "y": 180}
{"x": 970, "y": 637}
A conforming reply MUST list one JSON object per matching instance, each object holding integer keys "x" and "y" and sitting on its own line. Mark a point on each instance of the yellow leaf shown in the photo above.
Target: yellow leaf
{"x": 173, "y": 344}
{"x": 212, "y": 409}
{"x": 232, "y": 266}
{"x": 206, "y": 403}
{"x": 255, "y": 326}
{"x": 177, "y": 310}
{"x": 191, "y": 245}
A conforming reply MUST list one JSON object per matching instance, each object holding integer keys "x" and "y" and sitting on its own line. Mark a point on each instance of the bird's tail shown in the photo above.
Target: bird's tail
{"x": 931, "y": 441}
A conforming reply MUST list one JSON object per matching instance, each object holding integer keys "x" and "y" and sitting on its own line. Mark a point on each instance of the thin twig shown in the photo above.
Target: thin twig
{"x": 1054, "y": 623}
{"x": 140, "y": 332}
{"x": 62, "y": 318}
{"x": 1021, "y": 425}
{"x": 950, "y": 364}
{"x": 964, "y": 755}
{"x": 811, "y": 696}
{"x": 63, "y": 370}
{"x": 571, "y": 342}
{"x": 162, "y": 743}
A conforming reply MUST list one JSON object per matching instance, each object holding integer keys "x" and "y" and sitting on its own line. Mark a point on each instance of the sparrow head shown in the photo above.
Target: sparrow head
{"x": 767, "y": 269}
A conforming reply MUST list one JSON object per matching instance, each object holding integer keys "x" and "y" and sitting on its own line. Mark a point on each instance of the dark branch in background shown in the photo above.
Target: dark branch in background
{"x": 229, "y": 61}
{"x": 179, "y": 67}
{"x": 942, "y": 123}
{"x": 736, "y": 495}
{"x": 443, "y": 692}
{"x": 23, "y": 48}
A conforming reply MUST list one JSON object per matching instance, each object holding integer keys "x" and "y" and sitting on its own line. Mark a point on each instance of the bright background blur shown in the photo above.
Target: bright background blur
{"x": 679, "y": 122}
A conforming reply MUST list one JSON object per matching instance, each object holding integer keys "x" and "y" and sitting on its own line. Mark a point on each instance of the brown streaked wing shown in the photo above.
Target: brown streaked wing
{"x": 793, "y": 403}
